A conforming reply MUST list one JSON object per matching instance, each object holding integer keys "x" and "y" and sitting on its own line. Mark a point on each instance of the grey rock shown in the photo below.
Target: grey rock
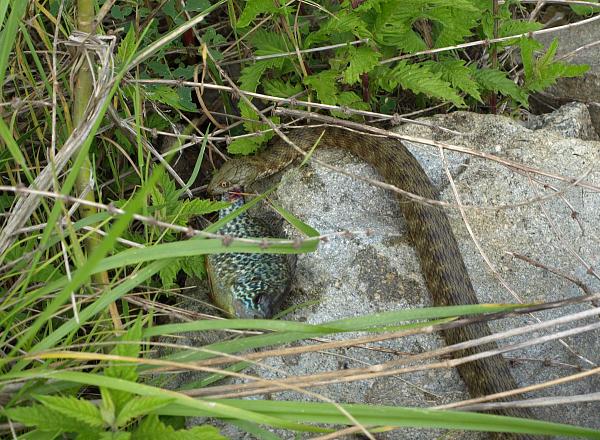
{"x": 368, "y": 273}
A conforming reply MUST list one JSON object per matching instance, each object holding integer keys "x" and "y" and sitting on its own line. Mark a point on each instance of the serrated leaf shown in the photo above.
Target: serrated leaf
{"x": 336, "y": 28}
{"x": 128, "y": 345}
{"x": 279, "y": 88}
{"x": 325, "y": 84}
{"x": 456, "y": 73}
{"x": 152, "y": 428}
{"x": 194, "y": 266}
{"x": 245, "y": 146}
{"x": 269, "y": 43}
{"x": 168, "y": 274}
{"x": 127, "y": 46}
{"x": 254, "y": 8}
{"x": 138, "y": 406}
{"x": 169, "y": 96}
{"x": 419, "y": 79}
{"x": 251, "y": 75}
{"x": 45, "y": 419}
{"x": 194, "y": 207}
{"x": 362, "y": 60}
{"x": 79, "y": 409}
{"x": 497, "y": 81}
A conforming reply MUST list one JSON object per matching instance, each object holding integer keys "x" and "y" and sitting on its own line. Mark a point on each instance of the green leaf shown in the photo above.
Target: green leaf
{"x": 544, "y": 71}
{"x": 79, "y": 409}
{"x": 277, "y": 87}
{"x": 138, "y": 406}
{"x": 46, "y": 419}
{"x": 127, "y": 46}
{"x": 194, "y": 266}
{"x": 254, "y": 8}
{"x": 339, "y": 28}
{"x": 325, "y": 84}
{"x": 362, "y": 60}
{"x": 418, "y": 78}
{"x": 456, "y": 73}
{"x": 245, "y": 146}
{"x": 128, "y": 345}
{"x": 169, "y": 96}
{"x": 168, "y": 274}
{"x": 497, "y": 81}
{"x": 251, "y": 75}
{"x": 153, "y": 429}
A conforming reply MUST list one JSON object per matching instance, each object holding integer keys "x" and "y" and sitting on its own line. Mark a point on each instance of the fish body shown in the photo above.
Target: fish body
{"x": 246, "y": 285}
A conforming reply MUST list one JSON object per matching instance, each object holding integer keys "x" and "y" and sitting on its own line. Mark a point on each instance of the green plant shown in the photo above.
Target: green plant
{"x": 370, "y": 76}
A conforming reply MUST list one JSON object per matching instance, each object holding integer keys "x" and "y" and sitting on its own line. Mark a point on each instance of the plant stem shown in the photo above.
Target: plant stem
{"x": 82, "y": 92}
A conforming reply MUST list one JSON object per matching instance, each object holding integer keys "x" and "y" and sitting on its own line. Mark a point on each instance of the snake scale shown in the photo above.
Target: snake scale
{"x": 441, "y": 262}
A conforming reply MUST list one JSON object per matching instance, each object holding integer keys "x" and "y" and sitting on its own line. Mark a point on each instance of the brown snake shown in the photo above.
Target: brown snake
{"x": 442, "y": 264}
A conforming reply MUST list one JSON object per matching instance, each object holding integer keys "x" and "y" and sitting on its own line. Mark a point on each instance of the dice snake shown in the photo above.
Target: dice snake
{"x": 441, "y": 262}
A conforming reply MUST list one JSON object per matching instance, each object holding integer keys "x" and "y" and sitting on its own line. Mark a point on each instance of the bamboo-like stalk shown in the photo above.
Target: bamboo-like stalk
{"x": 81, "y": 94}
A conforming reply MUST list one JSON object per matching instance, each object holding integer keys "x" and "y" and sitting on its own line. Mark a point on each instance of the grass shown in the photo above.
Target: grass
{"x": 77, "y": 251}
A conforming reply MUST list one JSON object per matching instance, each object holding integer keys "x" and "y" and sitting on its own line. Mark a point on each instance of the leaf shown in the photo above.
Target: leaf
{"x": 195, "y": 207}
{"x": 46, "y": 419}
{"x": 362, "y": 60}
{"x": 277, "y": 87}
{"x": 544, "y": 71}
{"x": 254, "y": 8}
{"x": 338, "y": 28}
{"x": 168, "y": 274}
{"x": 325, "y": 84}
{"x": 245, "y": 145}
{"x": 79, "y": 409}
{"x": 251, "y": 74}
{"x": 456, "y": 73}
{"x": 169, "y": 96}
{"x": 138, "y": 406}
{"x": 497, "y": 81}
{"x": 127, "y": 46}
{"x": 419, "y": 79}
{"x": 152, "y": 428}
{"x": 127, "y": 346}
{"x": 194, "y": 266}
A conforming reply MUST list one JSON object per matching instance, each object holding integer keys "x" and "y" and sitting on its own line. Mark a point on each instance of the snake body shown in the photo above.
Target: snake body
{"x": 441, "y": 262}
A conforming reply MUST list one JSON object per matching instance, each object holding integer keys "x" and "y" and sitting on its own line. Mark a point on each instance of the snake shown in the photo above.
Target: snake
{"x": 429, "y": 228}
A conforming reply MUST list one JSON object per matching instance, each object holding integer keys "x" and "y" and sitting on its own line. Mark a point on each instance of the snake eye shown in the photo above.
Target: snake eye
{"x": 224, "y": 184}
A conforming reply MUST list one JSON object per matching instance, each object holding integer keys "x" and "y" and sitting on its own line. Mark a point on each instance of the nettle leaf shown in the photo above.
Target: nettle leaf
{"x": 46, "y": 419}
{"x": 418, "y": 78}
{"x": 141, "y": 405}
{"x": 168, "y": 274}
{"x": 254, "y": 8}
{"x": 269, "y": 43}
{"x": 325, "y": 84}
{"x": 350, "y": 100}
{"x": 194, "y": 266}
{"x": 152, "y": 428}
{"x": 281, "y": 89}
{"x": 497, "y": 81}
{"x": 362, "y": 60}
{"x": 336, "y": 29}
{"x": 129, "y": 346}
{"x": 127, "y": 46}
{"x": 169, "y": 96}
{"x": 244, "y": 146}
{"x": 456, "y": 73}
{"x": 251, "y": 75}
{"x": 110, "y": 436}
{"x": 78, "y": 409}
{"x": 544, "y": 71}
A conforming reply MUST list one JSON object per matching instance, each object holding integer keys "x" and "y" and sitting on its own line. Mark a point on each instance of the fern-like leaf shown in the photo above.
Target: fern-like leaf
{"x": 78, "y": 409}
{"x": 362, "y": 60}
{"x": 139, "y": 406}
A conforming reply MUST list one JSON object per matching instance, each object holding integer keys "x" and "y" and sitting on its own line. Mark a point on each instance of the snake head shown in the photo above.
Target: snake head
{"x": 234, "y": 174}
{"x": 255, "y": 299}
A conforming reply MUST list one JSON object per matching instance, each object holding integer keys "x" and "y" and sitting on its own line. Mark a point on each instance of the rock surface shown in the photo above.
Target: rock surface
{"x": 380, "y": 272}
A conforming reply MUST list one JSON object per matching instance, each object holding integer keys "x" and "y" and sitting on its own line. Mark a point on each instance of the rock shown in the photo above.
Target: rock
{"x": 379, "y": 272}
{"x": 368, "y": 274}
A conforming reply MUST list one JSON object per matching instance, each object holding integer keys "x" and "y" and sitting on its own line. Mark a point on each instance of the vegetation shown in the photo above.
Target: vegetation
{"x": 97, "y": 226}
